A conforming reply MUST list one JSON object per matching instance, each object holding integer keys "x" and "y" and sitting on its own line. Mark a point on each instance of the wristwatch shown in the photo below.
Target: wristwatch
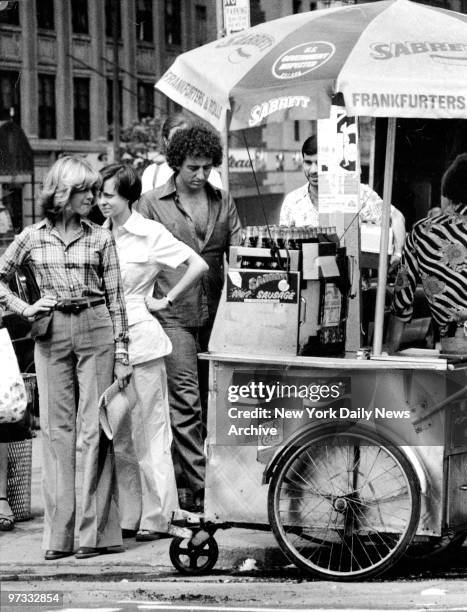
{"x": 123, "y": 359}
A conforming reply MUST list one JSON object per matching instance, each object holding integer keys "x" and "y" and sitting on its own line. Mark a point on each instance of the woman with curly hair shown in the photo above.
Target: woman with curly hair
{"x": 204, "y": 218}
{"x": 81, "y": 334}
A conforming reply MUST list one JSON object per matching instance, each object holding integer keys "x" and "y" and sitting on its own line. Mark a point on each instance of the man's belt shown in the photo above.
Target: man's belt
{"x": 75, "y": 306}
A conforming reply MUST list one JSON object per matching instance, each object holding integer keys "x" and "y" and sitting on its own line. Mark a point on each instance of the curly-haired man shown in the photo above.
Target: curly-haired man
{"x": 205, "y": 219}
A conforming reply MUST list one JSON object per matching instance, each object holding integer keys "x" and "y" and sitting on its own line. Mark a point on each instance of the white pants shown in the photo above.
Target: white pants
{"x": 152, "y": 438}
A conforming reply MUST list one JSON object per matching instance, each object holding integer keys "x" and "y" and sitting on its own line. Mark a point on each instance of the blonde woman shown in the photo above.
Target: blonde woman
{"x": 81, "y": 335}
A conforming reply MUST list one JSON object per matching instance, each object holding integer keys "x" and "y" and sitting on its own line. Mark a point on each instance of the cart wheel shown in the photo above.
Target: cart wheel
{"x": 189, "y": 559}
{"x": 344, "y": 505}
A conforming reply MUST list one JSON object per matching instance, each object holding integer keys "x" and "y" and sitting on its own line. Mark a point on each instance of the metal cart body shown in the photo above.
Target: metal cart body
{"x": 239, "y": 472}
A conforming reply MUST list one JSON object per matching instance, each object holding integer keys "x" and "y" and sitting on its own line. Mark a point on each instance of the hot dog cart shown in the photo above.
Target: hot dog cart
{"x": 350, "y": 460}
{"x": 349, "y": 457}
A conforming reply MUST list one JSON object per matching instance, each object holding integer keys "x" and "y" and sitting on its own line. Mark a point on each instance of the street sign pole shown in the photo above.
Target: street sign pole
{"x": 115, "y": 88}
{"x": 225, "y": 129}
{"x": 232, "y": 16}
{"x": 220, "y": 18}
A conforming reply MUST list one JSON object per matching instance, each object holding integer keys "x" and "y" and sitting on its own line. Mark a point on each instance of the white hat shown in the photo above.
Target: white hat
{"x": 114, "y": 406}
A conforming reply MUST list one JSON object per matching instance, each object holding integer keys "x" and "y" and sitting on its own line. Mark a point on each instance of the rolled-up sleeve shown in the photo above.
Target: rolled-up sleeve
{"x": 15, "y": 255}
{"x": 113, "y": 288}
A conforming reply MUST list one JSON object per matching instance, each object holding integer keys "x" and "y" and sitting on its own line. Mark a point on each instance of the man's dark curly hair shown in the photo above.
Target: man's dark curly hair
{"x": 194, "y": 141}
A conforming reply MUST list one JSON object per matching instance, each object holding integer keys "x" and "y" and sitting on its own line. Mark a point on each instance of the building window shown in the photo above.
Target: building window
{"x": 111, "y": 7}
{"x": 79, "y": 16}
{"x": 81, "y": 114}
{"x": 145, "y": 100}
{"x": 296, "y": 131}
{"x": 296, "y": 6}
{"x": 9, "y": 96}
{"x": 110, "y": 102}
{"x": 9, "y": 13}
{"x": 47, "y": 122}
{"x": 201, "y": 25}
{"x": 172, "y": 107}
{"x": 45, "y": 14}
{"x": 144, "y": 29}
{"x": 173, "y": 22}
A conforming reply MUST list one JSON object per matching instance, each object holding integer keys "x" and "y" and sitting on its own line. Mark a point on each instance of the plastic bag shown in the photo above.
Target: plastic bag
{"x": 13, "y": 398}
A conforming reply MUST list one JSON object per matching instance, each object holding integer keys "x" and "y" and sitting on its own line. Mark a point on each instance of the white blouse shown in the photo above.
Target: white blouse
{"x": 145, "y": 247}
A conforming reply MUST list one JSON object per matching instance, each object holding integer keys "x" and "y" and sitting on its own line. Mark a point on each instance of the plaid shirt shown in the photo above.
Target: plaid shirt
{"x": 85, "y": 267}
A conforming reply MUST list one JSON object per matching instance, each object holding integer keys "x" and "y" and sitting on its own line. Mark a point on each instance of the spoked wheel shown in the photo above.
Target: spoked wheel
{"x": 344, "y": 505}
{"x": 189, "y": 559}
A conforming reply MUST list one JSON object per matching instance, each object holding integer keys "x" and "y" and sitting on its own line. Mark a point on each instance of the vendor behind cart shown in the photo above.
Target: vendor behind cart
{"x": 300, "y": 206}
{"x": 436, "y": 252}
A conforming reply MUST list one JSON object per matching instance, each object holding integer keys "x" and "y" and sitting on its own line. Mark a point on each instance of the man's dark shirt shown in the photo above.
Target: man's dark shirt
{"x": 198, "y": 305}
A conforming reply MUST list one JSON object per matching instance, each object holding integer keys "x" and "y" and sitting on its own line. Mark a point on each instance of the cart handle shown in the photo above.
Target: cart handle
{"x": 461, "y": 393}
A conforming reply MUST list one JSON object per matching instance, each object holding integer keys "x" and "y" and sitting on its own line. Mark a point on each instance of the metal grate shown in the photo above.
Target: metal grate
{"x": 20, "y": 463}
{"x": 19, "y": 479}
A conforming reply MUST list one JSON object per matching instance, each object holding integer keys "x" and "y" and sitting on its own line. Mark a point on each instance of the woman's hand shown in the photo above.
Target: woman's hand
{"x": 122, "y": 373}
{"x": 154, "y": 305}
{"x": 43, "y": 306}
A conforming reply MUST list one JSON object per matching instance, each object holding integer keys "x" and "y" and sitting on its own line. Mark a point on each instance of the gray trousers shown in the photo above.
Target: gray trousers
{"x": 185, "y": 404}
{"x": 80, "y": 349}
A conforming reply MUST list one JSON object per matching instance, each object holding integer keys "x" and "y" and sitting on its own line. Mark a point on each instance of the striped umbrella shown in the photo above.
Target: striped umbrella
{"x": 393, "y": 58}
{"x": 388, "y": 58}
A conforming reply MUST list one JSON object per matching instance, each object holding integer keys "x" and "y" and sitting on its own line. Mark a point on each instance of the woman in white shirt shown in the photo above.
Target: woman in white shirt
{"x": 144, "y": 247}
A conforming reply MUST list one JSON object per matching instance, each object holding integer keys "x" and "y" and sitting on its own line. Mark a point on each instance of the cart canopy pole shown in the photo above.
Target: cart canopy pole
{"x": 225, "y": 156}
{"x": 384, "y": 242}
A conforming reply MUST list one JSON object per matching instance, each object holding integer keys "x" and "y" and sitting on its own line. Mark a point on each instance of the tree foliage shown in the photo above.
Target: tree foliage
{"x": 140, "y": 138}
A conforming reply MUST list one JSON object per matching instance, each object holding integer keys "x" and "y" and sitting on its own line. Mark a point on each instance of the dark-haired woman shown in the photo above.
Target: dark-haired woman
{"x": 144, "y": 248}
{"x": 76, "y": 267}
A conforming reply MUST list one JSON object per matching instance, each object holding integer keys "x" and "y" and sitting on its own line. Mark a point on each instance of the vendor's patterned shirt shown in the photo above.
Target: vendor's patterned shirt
{"x": 298, "y": 208}
{"x": 436, "y": 253}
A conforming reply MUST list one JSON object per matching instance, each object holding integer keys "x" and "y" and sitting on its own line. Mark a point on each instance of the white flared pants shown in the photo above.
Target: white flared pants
{"x": 151, "y": 435}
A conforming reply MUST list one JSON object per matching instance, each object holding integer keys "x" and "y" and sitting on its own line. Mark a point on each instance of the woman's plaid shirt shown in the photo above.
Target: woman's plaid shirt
{"x": 85, "y": 267}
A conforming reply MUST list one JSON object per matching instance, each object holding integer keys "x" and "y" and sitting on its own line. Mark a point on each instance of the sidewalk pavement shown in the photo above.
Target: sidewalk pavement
{"x": 22, "y": 557}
